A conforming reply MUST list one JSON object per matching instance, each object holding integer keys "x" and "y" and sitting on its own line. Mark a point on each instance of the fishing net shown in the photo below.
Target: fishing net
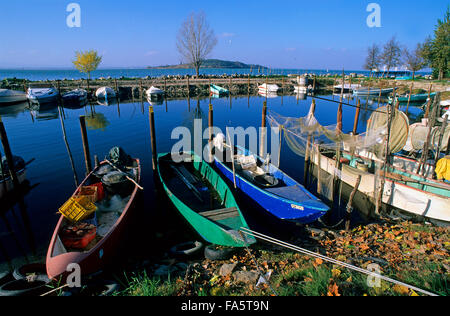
{"x": 332, "y": 152}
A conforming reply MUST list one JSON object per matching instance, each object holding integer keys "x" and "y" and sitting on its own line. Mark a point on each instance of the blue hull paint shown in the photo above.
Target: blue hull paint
{"x": 304, "y": 212}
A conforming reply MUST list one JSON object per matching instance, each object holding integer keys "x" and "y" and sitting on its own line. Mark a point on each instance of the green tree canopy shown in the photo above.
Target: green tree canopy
{"x": 436, "y": 51}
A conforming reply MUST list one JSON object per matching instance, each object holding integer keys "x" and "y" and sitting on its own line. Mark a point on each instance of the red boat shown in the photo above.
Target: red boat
{"x": 103, "y": 248}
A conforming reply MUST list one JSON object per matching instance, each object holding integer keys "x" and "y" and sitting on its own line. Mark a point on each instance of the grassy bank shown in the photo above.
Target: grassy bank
{"x": 412, "y": 253}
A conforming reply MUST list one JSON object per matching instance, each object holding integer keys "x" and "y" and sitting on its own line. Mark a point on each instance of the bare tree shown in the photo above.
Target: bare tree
{"x": 413, "y": 59}
{"x": 373, "y": 58}
{"x": 392, "y": 53}
{"x": 195, "y": 40}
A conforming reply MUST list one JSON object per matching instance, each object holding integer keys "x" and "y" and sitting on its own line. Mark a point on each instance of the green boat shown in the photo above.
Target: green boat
{"x": 218, "y": 91}
{"x": 423, "y": 97}
{"x": 204, "y": 199}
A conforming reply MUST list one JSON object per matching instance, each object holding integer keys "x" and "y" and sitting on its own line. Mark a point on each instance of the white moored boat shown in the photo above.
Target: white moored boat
{"x": 12, "y": 96}
{"x": 268, "y": 88}
{"x": 154, "y": 93}
{"x": 42, "y": 95}
{"x": 105, "y": 93}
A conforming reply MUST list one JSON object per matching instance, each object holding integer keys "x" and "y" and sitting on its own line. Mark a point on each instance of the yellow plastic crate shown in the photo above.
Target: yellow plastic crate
{"x": 77, "y": 209}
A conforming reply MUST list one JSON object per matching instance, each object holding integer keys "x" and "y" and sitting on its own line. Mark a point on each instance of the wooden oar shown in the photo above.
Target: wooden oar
{"x": 132, "y": 180}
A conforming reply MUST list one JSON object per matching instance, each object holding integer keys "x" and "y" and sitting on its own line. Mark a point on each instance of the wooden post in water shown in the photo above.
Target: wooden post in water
{"x": 152, "y": 136}
{"x": 248, "y": 85}
{"x": 8, "y": 155}
{"x": 409, "y": 98}
{"x": 314, "y": 85}
{"x": 441, "y": 136}
{"x": 349, "y": 208}
{"x": 426, "y": 145}
{"x": 379, "y": 197}
{"x": 307, "y": 150}
{"x": 262, "y": 148}
{"x": 84, "y": 138}
{"x": 210, "y": 126}
{"x": 188, "y": 89}
{"x": 75, "y": 177}
{"x": 427, "y": 112}
{"x": 355, "y": 124}
{"x": 117, "y": 88}
{"x": 334, "y": 84}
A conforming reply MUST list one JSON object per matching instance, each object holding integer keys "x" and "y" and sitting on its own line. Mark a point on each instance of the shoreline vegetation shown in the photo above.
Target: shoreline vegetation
{"x": 416, "y": 254}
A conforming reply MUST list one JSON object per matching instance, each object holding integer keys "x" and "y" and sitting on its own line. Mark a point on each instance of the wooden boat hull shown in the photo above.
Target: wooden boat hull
{"x": 372, "y": 92}
{"x": 414, "y": 98}
{"x": 7, "y": 184}
{"x": 395, "y": 194}
{"x": 218, "y": 91}
{"x": 208, "y": 229}
{"x": 303, "y": 212}
{"x": 8, "y": 97}
{"x": 103, "y": 252}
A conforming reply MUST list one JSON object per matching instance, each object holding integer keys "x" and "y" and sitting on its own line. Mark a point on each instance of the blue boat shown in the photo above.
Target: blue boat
{"x": 271, "y": 188}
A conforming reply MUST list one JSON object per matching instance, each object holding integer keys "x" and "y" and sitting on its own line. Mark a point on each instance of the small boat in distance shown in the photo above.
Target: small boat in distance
{"x": 105, "y": 93}
{"x": 276, "y": 192}
{"x": 115, "y": 202}
{"x": 154, "y": 93}
{"x": 268, "y": 88}
{"x": 422, "y": 97}
{"x": 12, "y": 96}
{"x": 42, "y": 95}
{"x": 375, "y": 91}
{"x": 217, "y": 90}
{"x": 203, "y": 198}
{"x": 77, "y": 95}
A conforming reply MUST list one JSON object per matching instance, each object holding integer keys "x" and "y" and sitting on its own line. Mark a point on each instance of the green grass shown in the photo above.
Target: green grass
{"x": 143, "y": 285}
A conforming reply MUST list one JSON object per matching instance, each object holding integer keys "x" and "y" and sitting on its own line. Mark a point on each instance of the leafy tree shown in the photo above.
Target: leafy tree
{"x": 373, "y": 58}
{"x": 87, "y": 61}
{"x": 195, "y": 40}
{"x": 413, "y": 59}
{"x": 391, "y": 56}
{"x": 436, "y": 51}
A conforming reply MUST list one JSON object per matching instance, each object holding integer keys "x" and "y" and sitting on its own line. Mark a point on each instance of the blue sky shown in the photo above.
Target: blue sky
{"x": 280, "y": 34}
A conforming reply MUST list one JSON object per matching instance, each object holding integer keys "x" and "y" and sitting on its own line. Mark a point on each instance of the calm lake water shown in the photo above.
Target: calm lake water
{"x": 26, "y": 227}
{"x": 46, "y": 74}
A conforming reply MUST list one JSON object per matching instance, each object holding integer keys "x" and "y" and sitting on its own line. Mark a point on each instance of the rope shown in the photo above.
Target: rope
{"x": 331, "y": 260}
{"x": 335, "y": 101}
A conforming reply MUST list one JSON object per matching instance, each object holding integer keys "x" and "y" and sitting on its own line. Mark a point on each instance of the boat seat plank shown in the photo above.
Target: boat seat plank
{"x": 293, "y": 192}
{"x": 221, "y": 214}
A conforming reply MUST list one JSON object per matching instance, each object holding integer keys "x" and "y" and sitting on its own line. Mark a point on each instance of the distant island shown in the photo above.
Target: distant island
{"x": 213, "y": 63}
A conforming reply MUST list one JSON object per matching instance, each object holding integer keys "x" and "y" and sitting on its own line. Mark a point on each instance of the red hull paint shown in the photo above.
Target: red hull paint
{"x": 105, "y": 250}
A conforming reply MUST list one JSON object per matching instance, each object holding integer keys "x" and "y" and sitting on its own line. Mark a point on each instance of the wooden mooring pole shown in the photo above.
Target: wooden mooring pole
{"x": 69, "y": 152}
{"x": 409, "y": 98}
{"x": 152, "y": 136}
{"x": 349, "y": 208}
{"x": 307, "y": 150}
{"x": 355, "y": 124}
{"x": 8, "y": 155}
{"x": 210, "y": 126}
{"x": 84, "y": 138}
{"x": 262, "y": 144}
